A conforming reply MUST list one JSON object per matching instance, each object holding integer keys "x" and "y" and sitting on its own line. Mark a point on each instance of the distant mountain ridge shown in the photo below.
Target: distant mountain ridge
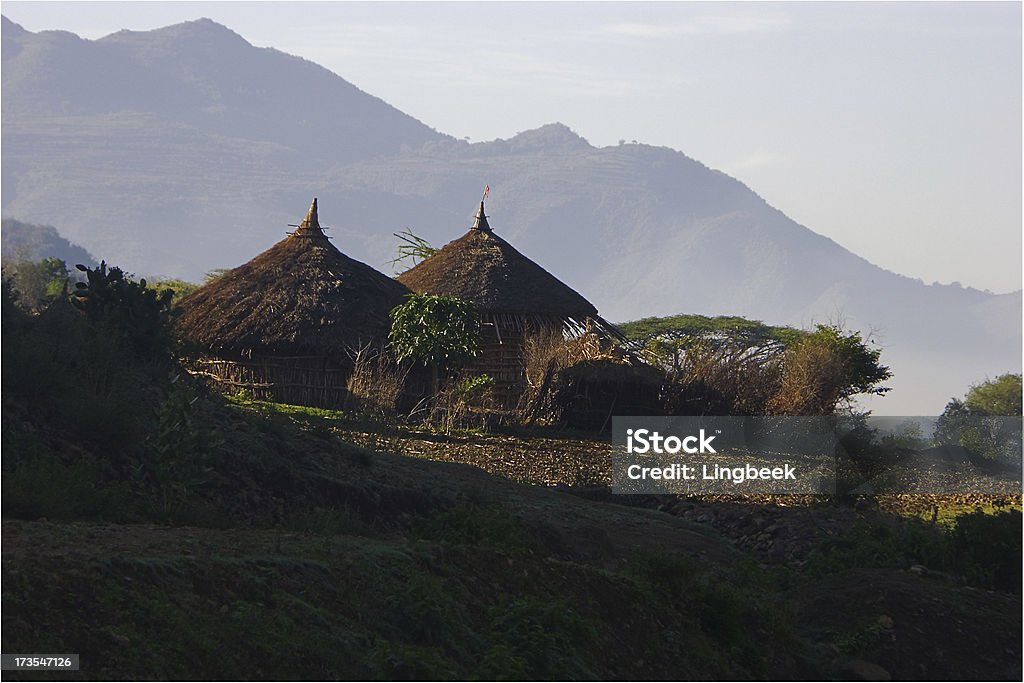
{"x": 184, "y": 149}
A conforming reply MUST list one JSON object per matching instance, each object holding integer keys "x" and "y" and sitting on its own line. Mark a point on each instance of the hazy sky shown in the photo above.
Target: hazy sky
{"x": 893, "y": 128}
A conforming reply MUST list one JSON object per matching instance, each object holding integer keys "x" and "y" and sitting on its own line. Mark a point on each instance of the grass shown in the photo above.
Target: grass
{"x": 345, "y": 608}
{"x": 303, "y": 555}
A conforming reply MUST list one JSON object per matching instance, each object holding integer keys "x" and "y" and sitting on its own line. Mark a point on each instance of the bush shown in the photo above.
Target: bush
{"x": 442, "y": 332}
{"x": 544, "y": 640}
{"x": 824, "y": 370}
{"x": 377, "y": 381}
{"x": 987, "y": 548}
{"x": 455, "y": 405}
{"x": 131, "y": 308}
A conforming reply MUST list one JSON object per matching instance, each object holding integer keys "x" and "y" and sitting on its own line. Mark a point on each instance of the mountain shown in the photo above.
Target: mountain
{"x": 27, "y": 242}
{"x": 184, "y": 149}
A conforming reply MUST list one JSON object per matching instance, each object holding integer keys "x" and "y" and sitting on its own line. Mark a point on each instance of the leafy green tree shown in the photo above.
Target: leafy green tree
{"x": 439, "y": 331}
{"x": 1000, "y": 396}
{"x": 979, "y": 422}
{"x": 38, "y": 283}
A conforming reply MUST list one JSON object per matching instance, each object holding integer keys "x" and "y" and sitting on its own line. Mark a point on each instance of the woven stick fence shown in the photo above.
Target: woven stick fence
{"x": 300, "y": 380}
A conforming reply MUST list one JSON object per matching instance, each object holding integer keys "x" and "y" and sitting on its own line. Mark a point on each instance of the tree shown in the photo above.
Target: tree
{"x": 439, "y": 331}
{"x": 1000, "y": 396}
{"x": 981, "y": 423}
{"x": 38, "y": 283}
{"x": 129, "y": 307}
{"x": 825, "y": 370}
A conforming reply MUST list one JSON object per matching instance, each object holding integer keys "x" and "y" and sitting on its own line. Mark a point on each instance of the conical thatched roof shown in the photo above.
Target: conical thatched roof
{"x": 300, "y": 296}
{"x": 482, "y": 267}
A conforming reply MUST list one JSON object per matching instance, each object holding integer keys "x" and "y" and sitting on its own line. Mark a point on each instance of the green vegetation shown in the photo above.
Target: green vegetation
{"x": 37, "y": 284}
{"x": 179, "y": 288}
{"x": 1000, "y": 396}
{"x": 734, "y": 366}
{"x": 125, "y": 306}
{"x": 438, "y": 331}
{"x": 979, "y": 422}
{"x": 980, "y": 548}
{"x": 725, "y": 330}
{"x": 411, "y": 247}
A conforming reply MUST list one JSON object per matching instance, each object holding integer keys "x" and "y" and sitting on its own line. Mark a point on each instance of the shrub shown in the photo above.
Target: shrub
{"x": 824, "y": 370}
{"x": 377, "y": 380}
{"x": 455, "y": 405}
{"x": 131, "y": 308}
{"x": 438, "y": 331}
{"x": 987, "y": 548}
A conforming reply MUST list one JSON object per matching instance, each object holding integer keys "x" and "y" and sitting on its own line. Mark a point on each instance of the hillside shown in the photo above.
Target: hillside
{"x": 27, "y": 242}
{"x": 163, "y": 531}
{"x": 179, "y": 150}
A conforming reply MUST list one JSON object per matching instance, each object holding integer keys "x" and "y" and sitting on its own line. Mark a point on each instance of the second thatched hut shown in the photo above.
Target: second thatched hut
{"x": 516, "y": 298}
{"x": 283, "y": 325}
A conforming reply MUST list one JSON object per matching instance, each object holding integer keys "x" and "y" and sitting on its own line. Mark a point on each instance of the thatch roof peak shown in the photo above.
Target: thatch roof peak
{"x": 481, "y": 223}
{"x": 310, "y": 225}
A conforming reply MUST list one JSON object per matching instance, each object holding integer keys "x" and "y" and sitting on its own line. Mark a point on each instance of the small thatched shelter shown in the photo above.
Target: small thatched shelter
{"x": 283, "y": 324}
{"x": 591, "y": 391}
{"x": 515, "y": 296}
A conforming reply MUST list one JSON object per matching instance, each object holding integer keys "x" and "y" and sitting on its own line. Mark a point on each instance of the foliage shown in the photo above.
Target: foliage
{"x": 411, "y": 247}
{"x": 135, "y": 310}
{"x": 723, "y": 380}
{"x": 982, "y": 549}
{"x": 68, "y": 365}
{"x": 38, "y": 483}
{"x": 454, "y": 405}
{"x": 732, "y": 365}
{"x": 179, "y": 288}
{"x": 179, "y": 453}
{"x": 981, "y": 423}
{"x": 907, "y": 434}
{"x": 480, "y": 525}
{"x": 435, "y": 329}
{"x": 439, "y": 331}
{"x": 825, "y": 369}
{"x": 987, "y": 548}
{"x": 377, "y": 381}
{"x": 719, "y": 330}
{"x": 542, "y": 639}
{"x": 1000, "y": 396}
{"x": 37, "y": 284}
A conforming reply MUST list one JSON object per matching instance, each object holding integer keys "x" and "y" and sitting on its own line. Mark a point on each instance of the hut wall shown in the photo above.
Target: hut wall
{"x": 501, "y": 357}
{"x": 315, "y": 381}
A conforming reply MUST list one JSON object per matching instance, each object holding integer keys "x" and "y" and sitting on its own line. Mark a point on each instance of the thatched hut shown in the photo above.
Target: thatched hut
{"x": 515, "y": 296}
{"x": 282, "y": 325}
